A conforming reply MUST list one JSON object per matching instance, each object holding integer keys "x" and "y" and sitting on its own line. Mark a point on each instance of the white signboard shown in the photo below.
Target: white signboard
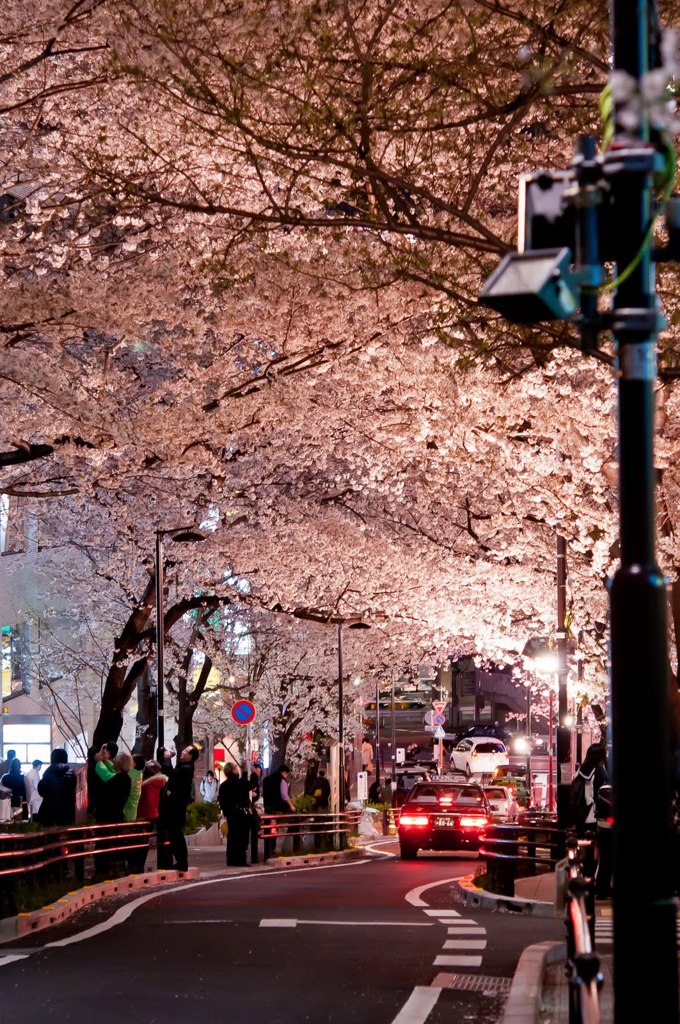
{"x": 401, "y": 755}
{"x": 362, "y": 785}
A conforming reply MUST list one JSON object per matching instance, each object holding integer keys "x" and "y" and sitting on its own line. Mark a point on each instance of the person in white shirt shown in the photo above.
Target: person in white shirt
{"x": 33, "y": 797}
{"x": 209, "y": 788}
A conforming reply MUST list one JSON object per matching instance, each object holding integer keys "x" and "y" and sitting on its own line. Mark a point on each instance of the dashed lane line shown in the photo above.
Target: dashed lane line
{"x": 418, "y": 1006}
{"x": 465, "y": 944}
{"x": 124, "y": 912}
{"x": 461, "y": 960}
{"x": 292, "y": 922}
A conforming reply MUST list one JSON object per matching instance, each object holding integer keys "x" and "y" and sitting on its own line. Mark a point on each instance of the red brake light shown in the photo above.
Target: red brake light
{"x": 445, "y": 799}
{"x": 413, "y": 819}
{"x": 474, "y": 821}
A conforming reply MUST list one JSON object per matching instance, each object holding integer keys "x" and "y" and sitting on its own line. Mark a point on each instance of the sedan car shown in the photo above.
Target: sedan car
{"x": 478, "y": 755}
{"x": 442, "y": 816}
{"x": 502, "y": 802}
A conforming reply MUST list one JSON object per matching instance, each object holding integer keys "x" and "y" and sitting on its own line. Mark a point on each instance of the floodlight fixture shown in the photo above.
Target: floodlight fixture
{"x": 533, "y": 286}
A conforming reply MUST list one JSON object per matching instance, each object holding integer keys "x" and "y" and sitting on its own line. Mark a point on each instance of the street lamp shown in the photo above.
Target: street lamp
{"x": 180, "y": 535}
{"x": 341, "y": 711}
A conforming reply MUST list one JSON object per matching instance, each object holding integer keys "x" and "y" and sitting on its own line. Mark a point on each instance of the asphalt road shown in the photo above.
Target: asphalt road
{"x": 358, "y": 942}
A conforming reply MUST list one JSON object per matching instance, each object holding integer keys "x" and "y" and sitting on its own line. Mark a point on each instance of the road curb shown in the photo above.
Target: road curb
{"x": 314, "y": 858}
{"x": 17, "y": 927}
{"x": 523, "y": 1005}
{"x": 476, "y": 897}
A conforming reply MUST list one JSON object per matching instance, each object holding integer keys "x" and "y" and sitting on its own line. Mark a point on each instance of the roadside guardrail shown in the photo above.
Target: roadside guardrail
{"x": 517, "y": 851}
{"x": 328, "y": 830}
{"x": 37, "y": 860}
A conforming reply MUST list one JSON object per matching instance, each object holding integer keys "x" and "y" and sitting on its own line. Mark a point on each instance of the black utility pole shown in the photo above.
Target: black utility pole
{"x": 341, "y": 726}
{"x": 644, "y": 913}
{"x": 563, "y": 730}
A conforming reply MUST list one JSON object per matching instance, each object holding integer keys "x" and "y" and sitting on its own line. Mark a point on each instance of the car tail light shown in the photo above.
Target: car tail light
{"x": 445, "y": 799}
{"x": 473, "y": 753}
{"x": 413, "y": 819}
{"x": 474, "y": 821}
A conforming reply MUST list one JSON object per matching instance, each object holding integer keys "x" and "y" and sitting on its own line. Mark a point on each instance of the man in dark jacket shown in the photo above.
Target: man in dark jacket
{"x": 234, "y": 799}
{"x": 172, "y": 847}
{"x": 58, "y": 791}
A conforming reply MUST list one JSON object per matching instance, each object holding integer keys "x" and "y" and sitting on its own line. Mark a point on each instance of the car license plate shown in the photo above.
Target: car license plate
{"x": 444, "y": 822}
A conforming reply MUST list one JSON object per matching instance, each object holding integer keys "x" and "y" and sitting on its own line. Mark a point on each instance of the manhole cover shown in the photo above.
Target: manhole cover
{"x": 473, "y": 983}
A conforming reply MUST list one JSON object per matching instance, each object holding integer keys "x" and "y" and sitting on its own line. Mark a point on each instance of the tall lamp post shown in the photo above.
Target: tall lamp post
{"x": 180, "y": 535}
{"x": 357, "y": 624}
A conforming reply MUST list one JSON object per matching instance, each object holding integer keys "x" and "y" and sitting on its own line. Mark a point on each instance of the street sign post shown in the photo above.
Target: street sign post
{"x": 439, "y": 705}
{"x": 243, "y": 712}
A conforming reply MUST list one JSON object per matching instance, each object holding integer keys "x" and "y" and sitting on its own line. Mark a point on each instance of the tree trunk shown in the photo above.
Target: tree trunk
{"x": 120, "y": 684}
{"x": 147, "y": 715}
{"x": 188, "y": 700}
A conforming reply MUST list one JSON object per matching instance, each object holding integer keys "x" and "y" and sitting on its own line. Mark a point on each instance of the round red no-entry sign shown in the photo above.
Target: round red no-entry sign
{"x": 243, "y": 712}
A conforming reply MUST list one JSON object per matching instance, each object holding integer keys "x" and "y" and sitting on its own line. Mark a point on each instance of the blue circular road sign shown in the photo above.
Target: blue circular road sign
{"x": 243, "y": 712}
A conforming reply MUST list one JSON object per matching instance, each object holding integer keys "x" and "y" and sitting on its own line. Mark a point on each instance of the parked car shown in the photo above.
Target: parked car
{"x": 478, "y": 755}
{"x": 442, "y": 816}
{"x": 502, "y": 802}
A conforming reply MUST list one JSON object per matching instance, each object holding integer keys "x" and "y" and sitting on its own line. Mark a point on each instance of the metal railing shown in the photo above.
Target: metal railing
{"x": 583, "y": 965}
{"x": 38, "y": 860}
{"x": 329, "y": 831}
{"x": 517, "y": 851}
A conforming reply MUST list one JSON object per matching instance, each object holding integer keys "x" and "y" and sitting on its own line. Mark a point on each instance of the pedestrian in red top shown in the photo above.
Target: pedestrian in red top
{"x": 153, "y": 784}
{"x": 152, "y": 787}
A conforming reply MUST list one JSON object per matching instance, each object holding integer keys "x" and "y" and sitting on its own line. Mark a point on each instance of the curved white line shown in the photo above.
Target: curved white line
{"x": 123, "y": 913}
{"x": 413, "y": 895}
{"x": 382, "y": 853}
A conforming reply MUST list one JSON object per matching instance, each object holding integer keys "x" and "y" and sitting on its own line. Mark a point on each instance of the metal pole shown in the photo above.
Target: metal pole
{"x": 563, "y": 731}
{"x": 394, "y": 739}
{"x": 377, "y": 731}
{"x": 531, "y": 802}
{"x": 579, "y": 714}
{"x": 160, "y": 643}
{"x": 341, "y": 727}
{"x": 551, "y": 757}
{"x": 637, "y": 593}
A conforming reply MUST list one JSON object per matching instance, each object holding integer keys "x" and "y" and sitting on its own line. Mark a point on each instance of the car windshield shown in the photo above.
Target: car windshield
{"x": 495, "y": 794}
{"x": 435, "y": 795}
{"x": 490, "y": 748}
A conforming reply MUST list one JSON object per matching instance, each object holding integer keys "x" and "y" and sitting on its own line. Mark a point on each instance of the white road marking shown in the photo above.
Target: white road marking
{"x": 465, "y": 944}
{"x": 418, "y": 1006}
{"x": 457, "y": 961}
{"x": 446, "y": 914}
{"x": 291, "y": 922}
{"x": 413, "y": 896}
{"x": 123, "y": 913}
{"x": 465, "y": 930}
{"x": 15, "y": 956}
{"x": 383, "y": 853}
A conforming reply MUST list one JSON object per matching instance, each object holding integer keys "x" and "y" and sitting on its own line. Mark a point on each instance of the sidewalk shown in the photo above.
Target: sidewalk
{"x": 540, "y": 991}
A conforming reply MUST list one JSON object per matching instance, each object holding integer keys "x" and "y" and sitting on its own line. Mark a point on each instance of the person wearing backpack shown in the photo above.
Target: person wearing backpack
{"x": 585, "y": 787}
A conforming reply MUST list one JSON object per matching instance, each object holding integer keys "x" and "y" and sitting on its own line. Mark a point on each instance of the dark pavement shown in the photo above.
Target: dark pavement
{"x": 376, "y": 941}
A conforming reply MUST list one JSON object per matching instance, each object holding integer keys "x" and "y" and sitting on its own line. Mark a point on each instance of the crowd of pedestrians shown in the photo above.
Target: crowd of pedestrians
{"x": 126, "y": 788}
